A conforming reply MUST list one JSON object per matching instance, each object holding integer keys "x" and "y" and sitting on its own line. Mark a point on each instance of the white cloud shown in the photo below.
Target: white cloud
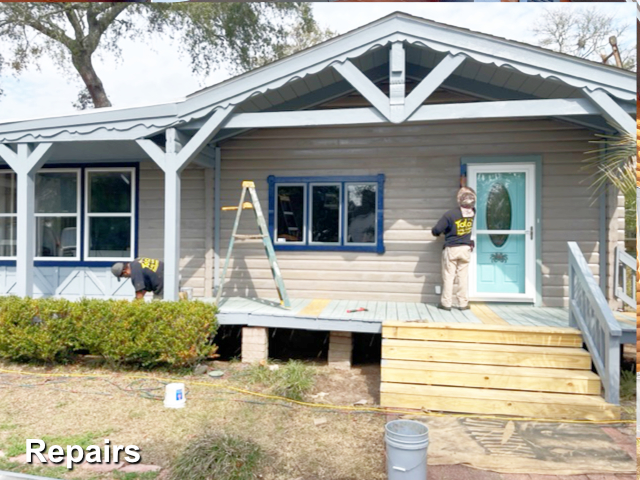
{"x": 155, "y": 72}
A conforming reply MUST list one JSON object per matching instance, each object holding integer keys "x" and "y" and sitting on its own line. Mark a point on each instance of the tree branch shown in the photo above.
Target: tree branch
{"x": 70, "y": 13}
{"x": 100, "y": 24}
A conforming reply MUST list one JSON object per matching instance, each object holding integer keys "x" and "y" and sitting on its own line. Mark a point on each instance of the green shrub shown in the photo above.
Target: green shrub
{"x": 144, "y": 333}
{"x": 217, "y": 456}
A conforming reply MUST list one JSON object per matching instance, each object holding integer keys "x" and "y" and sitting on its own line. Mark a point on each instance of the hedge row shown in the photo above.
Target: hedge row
{"x": 144, "y": 333}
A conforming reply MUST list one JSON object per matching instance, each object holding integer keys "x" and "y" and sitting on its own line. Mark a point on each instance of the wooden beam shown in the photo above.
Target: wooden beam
{"x": 217, "y": 207}
{"x": 156, "y": 153}
{"x": 486, "y": 354}
{"x": 365, "y": 86}
{"x": 613, "y": 112}
{"x": 8, "y": 155}
{"x": 490, "y": 401}
{"x": 26, "y": 163}
{"x": 491, "y": 376}
{"x": 432, "y": 81}
{"x": 397, "y": 82}
{"x": 425, "y": 113}
{"x": 202, "y": 137}
{"x": 475, "y": 333}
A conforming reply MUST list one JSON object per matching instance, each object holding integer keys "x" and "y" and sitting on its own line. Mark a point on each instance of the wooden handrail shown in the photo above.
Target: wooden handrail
{"x": 591, "y": 314}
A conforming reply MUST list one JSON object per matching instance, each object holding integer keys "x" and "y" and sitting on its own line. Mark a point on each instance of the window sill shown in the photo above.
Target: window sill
{"x": 62, "y": 263}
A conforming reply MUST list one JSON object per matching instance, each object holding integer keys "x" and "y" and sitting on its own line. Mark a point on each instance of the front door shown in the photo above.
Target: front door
{"x": 503, "y": 263}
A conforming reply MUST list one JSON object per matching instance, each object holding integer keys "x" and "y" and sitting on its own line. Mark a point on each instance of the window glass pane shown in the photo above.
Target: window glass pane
{"x": 56, "y": 192}
{"x": 290, "y": 213}
{"x": 8, "y": 236}
{"x": 56, "y": 236}
{"x": 109, "y": 237}
{"x": 8, "y": 193}
{"x": 109, "y": 192}
{"x": 325, "y": 201}
{"x": 361, "y": 213}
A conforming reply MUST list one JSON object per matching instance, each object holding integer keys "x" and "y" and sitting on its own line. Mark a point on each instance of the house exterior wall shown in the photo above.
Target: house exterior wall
{"x": 193, "y": 234}
{"x": 421, "y": 164}
{"x": 422, "y": 168}
{"x": 98, "y": 282}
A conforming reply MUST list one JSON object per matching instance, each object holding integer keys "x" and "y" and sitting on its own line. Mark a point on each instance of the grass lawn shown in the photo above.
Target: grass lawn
{"x": 296, "y": 441}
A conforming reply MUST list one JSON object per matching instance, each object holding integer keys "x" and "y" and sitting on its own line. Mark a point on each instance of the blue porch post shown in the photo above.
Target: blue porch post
{"x": 25, "y": 164}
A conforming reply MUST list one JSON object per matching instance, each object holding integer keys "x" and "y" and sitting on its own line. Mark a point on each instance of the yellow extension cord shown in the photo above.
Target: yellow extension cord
{"x": 324, "y": 406}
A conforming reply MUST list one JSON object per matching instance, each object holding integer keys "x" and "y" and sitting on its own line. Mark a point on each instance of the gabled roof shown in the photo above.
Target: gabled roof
{"x": 487, "y": 55}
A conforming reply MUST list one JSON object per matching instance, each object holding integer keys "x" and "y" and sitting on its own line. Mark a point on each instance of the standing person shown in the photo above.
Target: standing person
{"x": 146, "y": 276}
{"x": 456, "y": 225}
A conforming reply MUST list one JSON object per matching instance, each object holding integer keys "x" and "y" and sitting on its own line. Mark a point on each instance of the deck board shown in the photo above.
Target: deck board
{"x": 423, "y": 312}
{"x": 318, "y": 314}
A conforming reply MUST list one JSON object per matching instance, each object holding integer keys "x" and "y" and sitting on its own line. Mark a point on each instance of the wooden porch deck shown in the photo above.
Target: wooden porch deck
{"x": 331, "y": 315}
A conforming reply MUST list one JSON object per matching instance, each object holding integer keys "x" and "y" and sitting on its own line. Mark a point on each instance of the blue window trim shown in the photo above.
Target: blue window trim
{"x": 88, "y": 263}
{"x": 378, "y": 247}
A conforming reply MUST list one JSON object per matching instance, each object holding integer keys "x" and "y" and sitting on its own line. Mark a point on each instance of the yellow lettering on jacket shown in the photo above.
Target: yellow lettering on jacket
{"x": 464, "y": 226}
{"x": 149, "y": 263}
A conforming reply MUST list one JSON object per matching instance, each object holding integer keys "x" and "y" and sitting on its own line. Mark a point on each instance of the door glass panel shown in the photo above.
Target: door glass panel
{"x": 498, "y": 212}
{"x": 325, "y": 200}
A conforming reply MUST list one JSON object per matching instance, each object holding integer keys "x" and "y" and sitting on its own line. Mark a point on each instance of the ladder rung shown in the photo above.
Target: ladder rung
{"x": 248, "y": 236}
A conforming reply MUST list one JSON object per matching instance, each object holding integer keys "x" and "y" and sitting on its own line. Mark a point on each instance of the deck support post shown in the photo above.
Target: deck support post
{"x": 25, "y": 163}
{"x": 255, "y": 344}
{"x": 179, "y": 152}
{"x": 340, "y": 350}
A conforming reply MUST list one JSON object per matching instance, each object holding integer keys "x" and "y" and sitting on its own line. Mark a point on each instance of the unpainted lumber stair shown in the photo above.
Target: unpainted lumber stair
{"x": 540, "y": 372}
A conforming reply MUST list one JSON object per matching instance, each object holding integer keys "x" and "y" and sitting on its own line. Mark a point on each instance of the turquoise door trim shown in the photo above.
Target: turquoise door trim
{"x": 536, "y": 161}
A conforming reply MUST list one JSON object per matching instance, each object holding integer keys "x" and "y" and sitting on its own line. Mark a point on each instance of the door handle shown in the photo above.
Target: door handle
{"x": 530, "y": 232}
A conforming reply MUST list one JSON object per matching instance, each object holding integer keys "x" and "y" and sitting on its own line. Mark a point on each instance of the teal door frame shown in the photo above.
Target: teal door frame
{"x": 536, "y": 196}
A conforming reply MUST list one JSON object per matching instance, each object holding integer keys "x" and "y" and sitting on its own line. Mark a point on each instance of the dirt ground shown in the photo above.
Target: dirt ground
{"x": 300, "y": 442}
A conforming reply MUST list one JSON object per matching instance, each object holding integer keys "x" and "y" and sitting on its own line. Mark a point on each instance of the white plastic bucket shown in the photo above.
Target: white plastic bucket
{"x": 407, "y": 442}
{"x": 174, "y": 395}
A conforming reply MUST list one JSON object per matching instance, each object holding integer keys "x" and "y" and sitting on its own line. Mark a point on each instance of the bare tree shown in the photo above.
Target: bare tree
{"x": 584, "y": 33}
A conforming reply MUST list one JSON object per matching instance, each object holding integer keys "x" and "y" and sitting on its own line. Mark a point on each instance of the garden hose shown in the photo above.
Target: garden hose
{"x": 345, "y": 408}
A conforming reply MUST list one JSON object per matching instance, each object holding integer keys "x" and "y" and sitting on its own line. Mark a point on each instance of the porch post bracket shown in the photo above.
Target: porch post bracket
{"x": 431, "y": 82}
{"x": 613, "y": 112}
{"x": 25, "y": 164}
{"x": 365, "y": 86}
{"x": 178, "y": 153}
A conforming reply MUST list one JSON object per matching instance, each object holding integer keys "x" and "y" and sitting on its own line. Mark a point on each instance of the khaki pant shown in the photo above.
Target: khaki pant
{"x": 455, "y": 263}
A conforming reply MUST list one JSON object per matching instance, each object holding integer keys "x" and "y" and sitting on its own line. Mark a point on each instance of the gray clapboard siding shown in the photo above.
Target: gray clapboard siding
{"x": 421, "y": 164}
{"x": 151, "y": 219}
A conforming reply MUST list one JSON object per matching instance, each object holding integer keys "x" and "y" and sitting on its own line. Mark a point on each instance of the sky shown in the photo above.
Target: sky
{"x": 155, "y": 72}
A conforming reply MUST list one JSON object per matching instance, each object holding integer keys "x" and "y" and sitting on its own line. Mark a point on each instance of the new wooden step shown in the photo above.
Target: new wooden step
{"x": 485, "y": 354}
{"x": 491, "y": 376}
{"x": 480, "y": 333}
{"x": 501, "y": 402}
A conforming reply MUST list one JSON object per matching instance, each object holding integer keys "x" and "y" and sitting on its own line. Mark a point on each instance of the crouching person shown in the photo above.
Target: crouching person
{"x": 456, "y": 225}
{"x": 146, "y": 276}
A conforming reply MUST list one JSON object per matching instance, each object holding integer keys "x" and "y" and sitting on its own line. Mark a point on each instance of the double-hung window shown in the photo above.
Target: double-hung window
{"x": 109, "y": 211}
{"x": 8, "y": 214}
{"x": 81, "y": 214}
{"x": 57, "y": 212}
{"x": 327, "y": 213}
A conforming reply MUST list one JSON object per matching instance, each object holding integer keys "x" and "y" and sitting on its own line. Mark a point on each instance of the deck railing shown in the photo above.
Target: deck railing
{"x": 625, "y": 278}
{"x": 590, "y": 313}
